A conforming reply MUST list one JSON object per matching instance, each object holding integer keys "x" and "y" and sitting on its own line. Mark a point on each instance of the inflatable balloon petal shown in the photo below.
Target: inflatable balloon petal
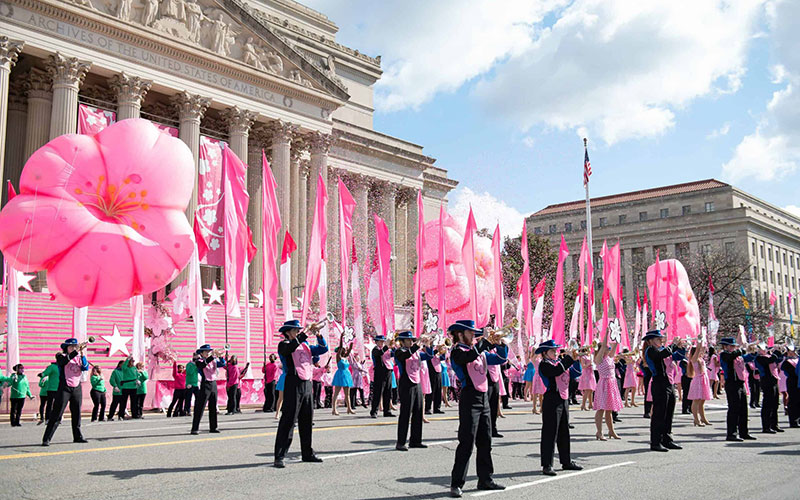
{"x": 103, "y": 214}
{"x": 688, "y": 310}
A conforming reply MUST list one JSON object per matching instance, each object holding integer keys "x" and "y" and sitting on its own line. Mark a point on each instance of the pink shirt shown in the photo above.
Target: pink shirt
{"x": 318, "y": 373}
{"x": 270, "y": 371}
{"x": 302, "y": 362}
{"x": 477, "y": 371}
{"x": 232, "y": 372}
{"x": 72, "y": 371}
{"x": 413, "y": 368}
{"x": 210, "y": 370}
{"x": 179, "y": 378}
{"x": 436, "y": 363}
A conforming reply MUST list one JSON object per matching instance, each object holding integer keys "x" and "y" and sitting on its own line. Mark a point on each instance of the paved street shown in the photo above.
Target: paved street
{"x": 157, "y": 458}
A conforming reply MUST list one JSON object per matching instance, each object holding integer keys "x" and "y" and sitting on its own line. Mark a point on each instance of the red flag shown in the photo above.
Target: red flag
{"x": 316, "y": 271}
{"x": 587, "y": 167}
{"x": 289, "y": 247}
{"x": 557, "y": 322}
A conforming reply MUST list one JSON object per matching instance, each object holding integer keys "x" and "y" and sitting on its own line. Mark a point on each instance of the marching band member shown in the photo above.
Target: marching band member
{"x": 116, "y": 391}
{"x": 555, "y": 412}
{"x": 192, "y": 385}
{"x": 587, "y": 383}
{"x": 71, "y": 363}
{"x": 42, "y": 398}
{"x": 663, "y": 392}
{"x": 434, "y": 399}
{"x": 408, "y": 358}
{"x": 296, "y": 355}
{"x": 98, "y": 393}
{"x": 789, "y": 367}
{"x": 735, "y": 375}
{"x": 470, "y": 365}
{"x": 700, "y": 386}
{"x": 382, "y": 379}
{"x": 767, "y": 364}
{"x": 178, "y": 390}
{"x": 607, "y": 398}
{"x": 270, "y": 371}
{"x": 207, "y": 365}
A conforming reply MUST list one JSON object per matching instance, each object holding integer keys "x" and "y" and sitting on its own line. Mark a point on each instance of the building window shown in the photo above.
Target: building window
{"x": 686, "y": 209}
{"x": 642, "y": 216}
{"x": 784, "y": 259}
{"x": 785, "y": 280}
{"x": 763, "y": 274}
{"x": 761, "y": 250}
{"x": 709, "y": 206}
{"x": 753, "y": 248}
{"x": 755, "y": 273}
{"x": 603, "y": 222}
{"x": 622, "y": 219}
{"x": 583, "y": 225}
{"x": 664, "y": 213}
{"x": 792, "y": 282}
{"x": 781, "y": 303}
{"x": 729, "y": 246}
{"x": 766, "y": 300}
{"x": 553, "y": 228}
{"x": 755, "y": 295}
{"x": 706, "y": 249}
{"x": 769, "y": 254}
{"x": 682, "y": 250}
{"x": 791, "y": 261}
{"x": 661, "y": 251}
{"x": 568, "y": 227}
{"x": 537, "y": 230}
{"x": 771, "y": 277}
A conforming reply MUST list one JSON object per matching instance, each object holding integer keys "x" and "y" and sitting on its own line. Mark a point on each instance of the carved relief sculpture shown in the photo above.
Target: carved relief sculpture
{"x": 124, "y": 10}
{"x": 194, "y": 16}
{"x": 219, "y": 40}
{"x": 249, "y": 54}
{"x": 150, "y": 11}
{"x": 274, "y": 62}
{"x": 173, "y": 9}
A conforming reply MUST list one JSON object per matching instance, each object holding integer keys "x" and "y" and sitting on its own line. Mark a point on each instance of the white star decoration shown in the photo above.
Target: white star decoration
{"x": 214, "y": 294}
{"x": 118, "y": 342}
{"x": 204, "y": 313}
{"x": 24, "y": 280}
{"x": 259, "y": 297}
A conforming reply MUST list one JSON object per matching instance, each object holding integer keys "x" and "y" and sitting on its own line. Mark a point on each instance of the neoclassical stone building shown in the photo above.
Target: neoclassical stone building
{"x": 257, "y": 74}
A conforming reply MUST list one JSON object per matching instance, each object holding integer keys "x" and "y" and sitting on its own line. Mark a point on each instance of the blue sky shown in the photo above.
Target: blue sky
{"x": 665, "y": 92}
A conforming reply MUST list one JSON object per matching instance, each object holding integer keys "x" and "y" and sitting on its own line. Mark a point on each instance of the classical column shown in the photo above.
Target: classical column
{"x": 626, "y": 255}
{"x": 68, "y": 74}
{"x": 9, "y": 51}
{"x": 130, "y": 92}
{"x": 282, "y": 133}
{"x": 359, "y": 188}
{"x": 15, "y": 133}
{"x": 258, "y": 140}
{"x": 190, "y": 111}
{"x": 302, "y": 232}
{"x": 40, "y": 105}
{"x": 296, "y": 209}
{"x": 401, "y": 262}
{"x": 411, "y": 240}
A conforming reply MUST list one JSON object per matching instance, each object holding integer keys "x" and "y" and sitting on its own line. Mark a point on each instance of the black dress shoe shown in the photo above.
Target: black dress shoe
{"x": 734, "y": 438}
{"x": 748, "y": 437}
{"x": 548, "y": 471}
{"x": 373, "y": 415}
{"x": 401, "y": 447}
{"x": 194, "y": 433}
{"x": 45, "y": 443}
{"x": 279, "y": 464}
{"x": 657, "y": 447}
{"x": 428, "y": 412}
{"x": 617, "y": 420}
{"x": 673, "y": 446}
{"x": 571, "y": 466}
{"x": 570, "y": 426}
{"x": 389, "y": 414}
{"x": 455, "y": 492}
{"x": 312, "y": 459}
{"x": 418, "y": 445}
{"x": 768, "y": 431}
{"x": 81, "y": 440}
{"x": 776, "y": 429}
{"x": 439, "y": 412}
{"x": 491, "y": 485}
{"x": 497, "y": 435}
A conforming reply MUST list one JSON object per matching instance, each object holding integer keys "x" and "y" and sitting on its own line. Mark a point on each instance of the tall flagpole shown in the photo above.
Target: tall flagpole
{"x": 588, "y": 217}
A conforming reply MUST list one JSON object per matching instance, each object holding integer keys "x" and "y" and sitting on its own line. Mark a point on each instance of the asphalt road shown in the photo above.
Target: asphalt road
{"x": 156, "y": 458}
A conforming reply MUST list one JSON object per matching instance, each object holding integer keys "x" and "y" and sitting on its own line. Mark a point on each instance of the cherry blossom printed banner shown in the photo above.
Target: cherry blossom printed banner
{"x": 92, "y": 120}
{"x": 171, "y": 131}
{"x": 209, "y": 199}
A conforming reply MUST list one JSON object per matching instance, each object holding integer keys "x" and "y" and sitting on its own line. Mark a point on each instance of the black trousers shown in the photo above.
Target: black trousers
{"x": 663, "y": 411}
{"x": 354, "y": 392}
{"x": 434, "y": 399}
{"x": 316, "y": 393}
{"x": 794, "y": 404}
{"x": 16, "y": 410}
{"x": 648, "y": 405}
{"x": 177, "y": 402}
{"x": 269, "y": 397}
{"x": 755, "y": 391}
{"x": 187, "y": 401}
{"x": 116, "y": 400}
{"x": 382, "y": 386}
{"x": 43, "y": 399}
{"x": 98, "y": 404}
{"x": 66, "y": 396}
{"x": 328, "y": 396}
{"x": 297, "y": 409}
{"x": 127, "y": 394}
{"x": 573, "y": 391}
{"x": 769, "y": 406}
{"x": 474, "y": 428}
{"x": 140, "y": 404}
{"x": 206, "y": 394}
{"x": 686, "y": 403}
{"x": 410, "y": 410}
{"x": 555, "y": 430}
{"x": 507, "y": 384}
{"x": 737, "y": 408}
{"x": 234, "y": 393}
{"x": 493, "y": 393}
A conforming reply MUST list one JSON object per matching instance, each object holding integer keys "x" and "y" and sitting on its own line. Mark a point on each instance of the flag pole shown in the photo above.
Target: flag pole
{"x": 588, "y": 219}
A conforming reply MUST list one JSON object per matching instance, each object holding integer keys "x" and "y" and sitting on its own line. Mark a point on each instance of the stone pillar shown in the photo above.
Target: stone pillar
{"x": 68, "y": 74}
{"x": 282, "y": 133}
{"x": 130, "y": 92}
{"x": 359, "y": 187}
{"x": 303, "y": 217}
{"x": 190, "y": 111}
{"x": 40, "y": 105}
{"x": 296, "y": 209}
{"x": 9, "y": 51}
{"x": 258, "y": 139}
{"x": 15, "y": 133}
{"x": 411, "y": 240}
{"x": 401, "y": 274}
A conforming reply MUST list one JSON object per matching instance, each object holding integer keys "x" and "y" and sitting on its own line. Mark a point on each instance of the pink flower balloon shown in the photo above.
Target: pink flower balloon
{"x": 103, "y": 214}
{"x": 688, "y": 310}
{"x": 456, "y": 285}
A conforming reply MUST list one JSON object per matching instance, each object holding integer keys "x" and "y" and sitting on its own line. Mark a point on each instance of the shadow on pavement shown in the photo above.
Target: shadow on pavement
{"x": 134, "y": 473}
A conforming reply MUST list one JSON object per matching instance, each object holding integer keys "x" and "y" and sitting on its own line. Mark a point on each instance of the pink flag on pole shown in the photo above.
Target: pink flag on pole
{"x": 582, "y": 261}
{"x": 638, "y": 319}
{"x": 384, "y": 273}
{"x": 604, "y": 299}
{"x": 573, "y": 323}
{"x": 269, "y": 243}
{"x": 674, "y": 300}
{"x": 468, "y": 258}
{"x": 289, "y": 246}
{"x": 420, "y": 250}
{"x": 524, "y": 285}
{"x": 441, "y": 274}
{"x": 498, "y": 305}
{"x": 645, "y": 325}
{"x": 347, "y": 206}
{"x": 538, "y": 313}
{"x": 237, "y": 236}
{"x": 12, "y": 339}
{"x": 559, "y": 315}
{"x": 316, "y": 269}
{"x": 589, "y": 298}
{"x": 655, "y": 294}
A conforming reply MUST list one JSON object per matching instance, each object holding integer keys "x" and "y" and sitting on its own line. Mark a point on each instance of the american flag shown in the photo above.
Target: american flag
{"x": 587, "y": 167}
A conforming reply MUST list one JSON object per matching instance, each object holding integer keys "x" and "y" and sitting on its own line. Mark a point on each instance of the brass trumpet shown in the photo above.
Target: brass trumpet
{"x": 89, "y": 340}
{"x": 504, "y": 335}
{"x": 315, "y": 327}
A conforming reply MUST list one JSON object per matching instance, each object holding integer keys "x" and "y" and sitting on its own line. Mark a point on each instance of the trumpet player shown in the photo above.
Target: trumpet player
{"x": 382, "y": 380}
{"x": 789, "y": 367}
{"x": 734, "y": 373}
{"x": 663, "y": 392}
{"x": 296, "y": 357}
{"x": 767, "y": 362}
{"x": 207, "y": 363}
{"x": 71, "y": 363}
{"x": 409, "y": 358}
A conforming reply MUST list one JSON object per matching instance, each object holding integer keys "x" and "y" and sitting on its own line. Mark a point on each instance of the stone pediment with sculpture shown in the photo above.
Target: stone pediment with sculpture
{"x": 204, "y": 23}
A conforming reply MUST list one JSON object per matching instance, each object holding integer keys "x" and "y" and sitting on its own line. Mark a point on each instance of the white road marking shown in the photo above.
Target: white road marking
{"x": 551, "y": 478}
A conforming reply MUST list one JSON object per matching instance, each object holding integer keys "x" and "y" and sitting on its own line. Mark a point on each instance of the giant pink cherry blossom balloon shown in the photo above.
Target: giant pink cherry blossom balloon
{"x": 456, "y": 284}
{"x": 103, "y": 214}
{"x": 688, "y": 310}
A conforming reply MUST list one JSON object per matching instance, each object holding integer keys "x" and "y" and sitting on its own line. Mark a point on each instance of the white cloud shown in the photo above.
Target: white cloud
{"x": 793, "y": 209}
{"x": 623, "y": 68}
{"x": 488, "y": 211}
{"x": 772, "y": 151}
{"x": 529, "y": 141}
{"x": 723, "y": 130}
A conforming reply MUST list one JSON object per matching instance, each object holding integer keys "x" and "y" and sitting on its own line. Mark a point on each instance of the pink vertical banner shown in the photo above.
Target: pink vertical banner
{"x": 92, "y": 120}
{"x": 557, "y": 323}
{"x": 237, "y": 235}
{"x": 420, "y": 250}
{"x": 497, "y": 306}
{"x": 269, "y": 243}
{"x": 347, "y": 206}
{"x": 582, "y": 261}
{"x": 440, "y": 274}
{"x": 210, "y": 199}
{"x": 468, "y": 258}
{"x": 384, "y": 273}
{"x": 316, "y": 272}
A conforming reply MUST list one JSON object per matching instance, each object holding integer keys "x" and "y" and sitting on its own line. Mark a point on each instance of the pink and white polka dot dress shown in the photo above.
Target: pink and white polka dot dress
{"x": 630, "y": 376}
{"x": 700, "y": 388}
{"x": 587, "y": 380}
{"x": 606, "y": 396}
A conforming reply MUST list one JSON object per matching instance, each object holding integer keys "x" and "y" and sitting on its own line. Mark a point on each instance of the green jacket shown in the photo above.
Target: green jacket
{"x": 142, "y": 388}
{"x": 129, "y": 377}
{"x": 191, "y": 374}
{"x": 98, "y": 384}
{"x": 19, "y": 385}
{"x": 53, "y": 375}
{"x": 42, "y": 386}
{"x": 114, "y": 380}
